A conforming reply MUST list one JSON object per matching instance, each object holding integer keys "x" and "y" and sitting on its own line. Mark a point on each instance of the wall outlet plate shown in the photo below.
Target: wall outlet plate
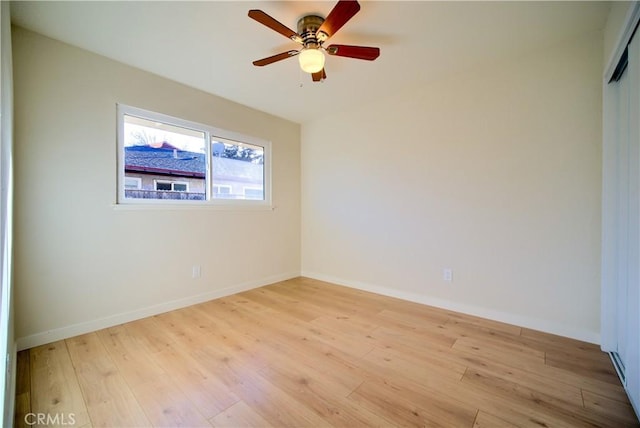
{"x": 195, "y": 271}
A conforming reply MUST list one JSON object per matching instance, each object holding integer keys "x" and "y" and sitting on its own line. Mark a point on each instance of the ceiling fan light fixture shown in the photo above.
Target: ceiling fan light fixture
{"x": 311, "y": 60}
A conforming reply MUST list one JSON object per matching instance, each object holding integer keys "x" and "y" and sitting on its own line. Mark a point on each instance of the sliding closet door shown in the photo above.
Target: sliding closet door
{"x": 625, "y": 204}
{"x": 631, "y": 330}
{"x": 621, "y": 223}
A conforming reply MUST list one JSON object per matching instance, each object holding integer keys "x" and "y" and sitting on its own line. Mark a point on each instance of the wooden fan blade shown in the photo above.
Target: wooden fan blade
{"x": 275, "y": 58}
{"x": 320, "y": 75}
{"x": 275, "y": 25}
{"x": 339, "y": 15}
{"x": 359, "y": 52}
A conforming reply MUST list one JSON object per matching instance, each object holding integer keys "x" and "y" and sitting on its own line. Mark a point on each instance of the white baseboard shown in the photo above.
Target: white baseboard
{"x": 110, "y": 321}
{"x": 505, "y": 317}
{"x": 113, "y": 320}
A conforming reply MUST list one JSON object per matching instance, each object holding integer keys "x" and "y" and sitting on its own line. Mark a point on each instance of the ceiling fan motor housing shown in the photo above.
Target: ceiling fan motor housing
{"x": 308, "y": 30}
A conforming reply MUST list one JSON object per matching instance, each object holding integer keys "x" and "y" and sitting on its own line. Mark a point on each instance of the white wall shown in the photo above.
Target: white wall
{"x": 494, "y": 173}
{"x": 80, "y": 264}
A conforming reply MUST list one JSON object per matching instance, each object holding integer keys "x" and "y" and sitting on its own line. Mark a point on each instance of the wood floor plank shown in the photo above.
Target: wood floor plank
{"x": 620, "y": 411}
{"x": 559, "y": 341}
{"x": 330, "y": 296}
{"x": 55, "y": 389}
{"x": 203, "y": 388}
{"x": 596, "y": 368}
{"x": 545, "y": 373}
{"x": 552, "y": 343}
{"x": 399, "y": 402}
{"x": 273, "y": 404}
{"x": 534, "y": 382}
{"x": 23, "y": 378}
{"x": 292, "y": 307}
{"x": 109, "y": 399}
{"x": 313, "y": 391}
{"x": 414, "y": 318}
{"x": 240, "y": 415}
{"x": 418, "y": 340}
{"x": 307, "y": 353}
{"x": 558, "y": 409}
{"x": 280, "y": 325}
{"x": 504, "y": 353}
{"x": 124, "y": 352}
{"x": 517, "y": 413}
{"x": 23, "y": 389}
{"x": 337, "y": 339}
{"x": 437, "y": 331}
{"x": 341, "y": 378}
{"x": 248, "y": 349}
{"x": 184, "y": 326}
{"x": 477, "y": 322}
{"x": 337, "y": 365}
{"x": 410, "y": 366}
{"x": 23, "y": 408}
{"x": 487, "y": 420}
{"x": 302, "y": 294}
{"x": 149, "y": 334}
{"x": 166, "y": 406}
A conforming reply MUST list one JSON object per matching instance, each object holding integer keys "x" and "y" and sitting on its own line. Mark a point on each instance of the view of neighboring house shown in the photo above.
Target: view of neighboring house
{"x": 166, "y": 172}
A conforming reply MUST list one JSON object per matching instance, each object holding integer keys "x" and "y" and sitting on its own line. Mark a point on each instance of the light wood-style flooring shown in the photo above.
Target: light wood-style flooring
{"x": 305, "y": 353}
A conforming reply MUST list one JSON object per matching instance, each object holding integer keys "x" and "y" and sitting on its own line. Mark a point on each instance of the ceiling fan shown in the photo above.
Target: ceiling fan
{"x": 313, "y": 31}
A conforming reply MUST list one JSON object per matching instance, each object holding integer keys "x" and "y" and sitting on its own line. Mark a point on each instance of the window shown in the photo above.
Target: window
{"x": 237, "y": 165}
{"x": 132, "y": 183}
{"x": 221, "y": 189}
{"x": 171, "y": 186}
{"x": 162, "y": 159}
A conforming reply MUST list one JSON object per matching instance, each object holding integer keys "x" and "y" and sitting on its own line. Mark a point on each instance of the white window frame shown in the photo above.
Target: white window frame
{"x": 172, "y": 182}
{"x": 210, "y": 133}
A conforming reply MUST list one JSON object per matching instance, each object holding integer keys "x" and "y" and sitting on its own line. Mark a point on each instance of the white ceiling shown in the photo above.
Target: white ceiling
{"x": 210, "y": 45}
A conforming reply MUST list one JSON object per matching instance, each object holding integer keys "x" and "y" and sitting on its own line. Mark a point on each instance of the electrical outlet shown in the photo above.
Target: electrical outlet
{"x": 195, "y": 271}
{"x": 447, "y": 275}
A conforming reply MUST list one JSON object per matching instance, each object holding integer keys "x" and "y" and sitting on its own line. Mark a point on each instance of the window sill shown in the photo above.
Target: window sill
{"x": 192, "y": 207}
